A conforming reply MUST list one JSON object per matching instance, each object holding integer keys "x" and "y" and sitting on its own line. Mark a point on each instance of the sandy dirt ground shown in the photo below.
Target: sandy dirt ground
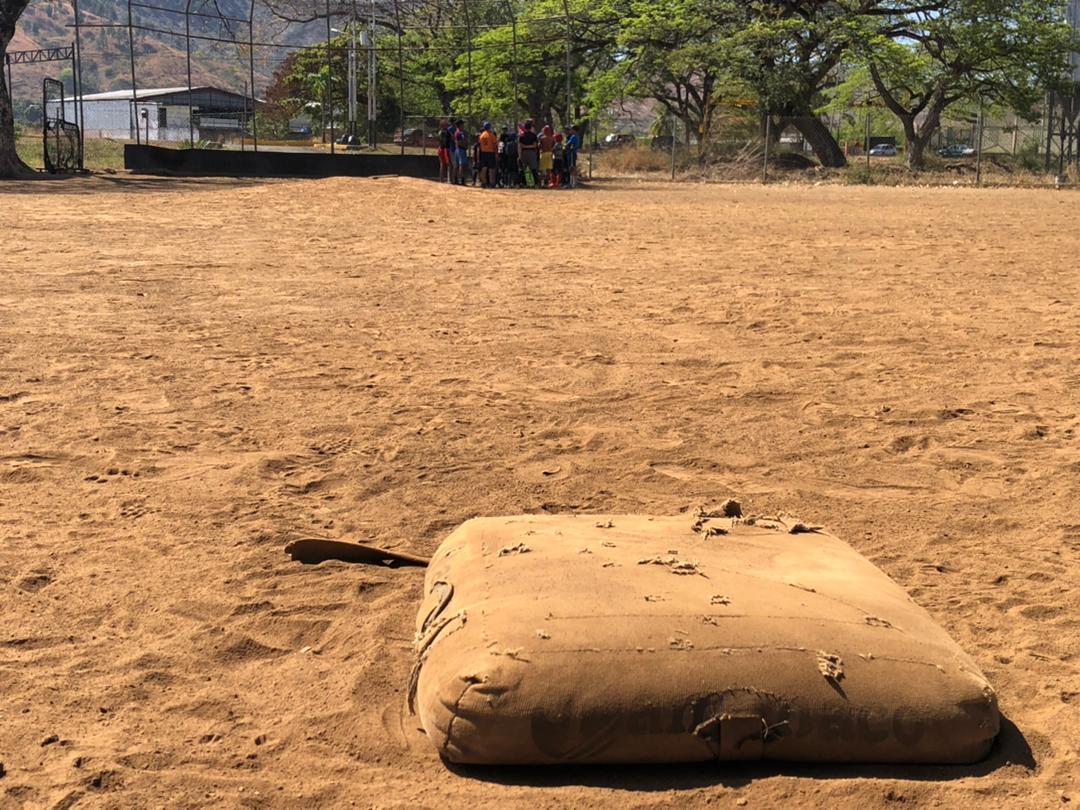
{"x": 193, "y": 373}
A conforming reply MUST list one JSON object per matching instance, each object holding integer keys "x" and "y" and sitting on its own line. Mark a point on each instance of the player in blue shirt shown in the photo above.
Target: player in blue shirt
{"x": 570, "y": 153}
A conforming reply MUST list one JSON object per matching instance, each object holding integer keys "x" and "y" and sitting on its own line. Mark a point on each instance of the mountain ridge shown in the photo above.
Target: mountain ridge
{"x": 160, "y": 58}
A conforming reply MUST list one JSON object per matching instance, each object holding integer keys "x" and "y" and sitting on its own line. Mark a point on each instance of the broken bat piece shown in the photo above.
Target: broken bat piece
{"x": 316, "y": 550}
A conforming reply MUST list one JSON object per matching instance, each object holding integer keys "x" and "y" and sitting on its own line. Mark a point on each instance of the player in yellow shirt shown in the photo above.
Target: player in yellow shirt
{"x": 489, "y": 155}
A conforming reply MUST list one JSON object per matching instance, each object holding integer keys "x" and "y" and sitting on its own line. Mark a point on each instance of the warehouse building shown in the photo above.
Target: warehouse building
{"x": 161, "y": 114}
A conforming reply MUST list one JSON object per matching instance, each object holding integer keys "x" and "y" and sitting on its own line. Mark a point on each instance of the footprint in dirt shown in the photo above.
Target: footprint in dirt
{"x": 35, "y": 581}
{"x": 310, "y": 485}
{"x": 904, "y": 444}
{"x": 134, "y": 509}
{"x": 331, "y": 447}
{"x": 112, "y": 474}
{"x": 955, "y": 413}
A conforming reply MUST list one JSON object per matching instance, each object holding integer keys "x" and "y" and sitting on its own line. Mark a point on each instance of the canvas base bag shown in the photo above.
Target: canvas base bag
{"x": 634, "y": 639}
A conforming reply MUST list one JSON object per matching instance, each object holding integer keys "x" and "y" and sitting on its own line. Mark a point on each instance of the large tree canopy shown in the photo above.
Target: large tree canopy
{"x": 1004, "y": 52}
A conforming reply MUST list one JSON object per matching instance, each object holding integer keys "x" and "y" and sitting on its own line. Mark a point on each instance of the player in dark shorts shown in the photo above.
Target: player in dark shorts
{"x": 460, "y": 153}
{"x": 508, "y": 159}
{"x": 557, "y": 167}
{"x": 529, "y": 155}
{"x": 570, "y": 154}
{"x": 488, "y": 151}
{"x": 446, "y": 143}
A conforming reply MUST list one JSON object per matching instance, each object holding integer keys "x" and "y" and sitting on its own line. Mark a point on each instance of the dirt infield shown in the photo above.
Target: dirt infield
{"x": 194, "y": 372}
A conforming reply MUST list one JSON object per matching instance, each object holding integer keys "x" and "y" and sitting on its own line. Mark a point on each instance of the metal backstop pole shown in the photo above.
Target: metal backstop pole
{"x": 329, "y": 79}
{"x": 79, "y": 86}
{"x": 569, "y": 91}
{"x": 134, "y": 84}
{"x": 74, "y": 94}
{"x": 468, "y": 56}
{"x": 244, "y": 119}
{"x": 401, "y": 78}
{"x": 373, "y": 87}
{"x": 514, "y": 61}
{"x": 251, "y": 70}
{"x": 187, "y": 43}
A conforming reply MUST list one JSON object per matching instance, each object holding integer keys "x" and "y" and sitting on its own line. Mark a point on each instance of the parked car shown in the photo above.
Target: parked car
{"x": 417, "y": 137}
{"x": 956, "y": 150}
{"x": 883, "y": 150}
{"x": 616, "y": 139}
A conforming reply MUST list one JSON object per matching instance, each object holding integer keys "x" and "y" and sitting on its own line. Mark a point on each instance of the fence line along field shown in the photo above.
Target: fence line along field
{"x": 196, "y": 372}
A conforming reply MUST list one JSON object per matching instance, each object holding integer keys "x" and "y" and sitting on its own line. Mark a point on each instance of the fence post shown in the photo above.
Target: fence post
{"x": 1049, "y": 128}
{"x": 1061, "y": 141}
{"x": 979, "y": 147}
{"x": 592, "y": 136}
{"x": 768, "y": 139}
{"x": 673, "y": 146}
{"x": 866, "y": 145}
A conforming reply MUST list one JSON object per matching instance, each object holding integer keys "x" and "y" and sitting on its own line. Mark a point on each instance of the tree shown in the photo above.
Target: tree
{"x": 791, "y": 51}
{"x": 680, "y": 55}
{"x": 975, "y": 51}
{"x": 691, "y": 54}
{"x": 10, "y": 164}
{"x": 539, "y": 73}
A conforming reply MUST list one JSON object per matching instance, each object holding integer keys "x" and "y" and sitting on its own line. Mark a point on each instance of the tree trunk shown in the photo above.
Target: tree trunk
{"x": 920, "y": 121}
{"x": 921, "y": 134}
{"x": 916, "y": 150}
{"x": 916, "y": 145}
{"x": 825, "y": 147}
{"x": 10, "y": 165}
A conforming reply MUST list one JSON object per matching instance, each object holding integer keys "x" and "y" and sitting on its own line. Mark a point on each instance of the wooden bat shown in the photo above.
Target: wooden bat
{"x": 316, "y": 550}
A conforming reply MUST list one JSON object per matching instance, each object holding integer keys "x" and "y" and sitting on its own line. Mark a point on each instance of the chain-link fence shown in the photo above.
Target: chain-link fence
{"x": 857, "y": 145}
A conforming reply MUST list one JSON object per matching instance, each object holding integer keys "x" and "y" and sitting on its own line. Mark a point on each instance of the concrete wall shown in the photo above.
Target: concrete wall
{"x": 228, "y": 163}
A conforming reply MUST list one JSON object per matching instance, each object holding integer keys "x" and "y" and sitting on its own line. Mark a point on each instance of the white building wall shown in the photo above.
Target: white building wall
{"x": 115, "y": 118}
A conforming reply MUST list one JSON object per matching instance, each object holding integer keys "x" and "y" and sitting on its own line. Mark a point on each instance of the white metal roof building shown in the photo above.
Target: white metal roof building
{"x": 161, "y": 114}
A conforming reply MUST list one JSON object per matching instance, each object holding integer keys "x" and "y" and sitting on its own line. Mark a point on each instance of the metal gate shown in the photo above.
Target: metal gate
{"x": 61, "y": 137}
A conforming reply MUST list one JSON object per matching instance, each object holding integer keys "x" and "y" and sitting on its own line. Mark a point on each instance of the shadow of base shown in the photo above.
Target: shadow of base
{"x": 1010, "y": 749}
